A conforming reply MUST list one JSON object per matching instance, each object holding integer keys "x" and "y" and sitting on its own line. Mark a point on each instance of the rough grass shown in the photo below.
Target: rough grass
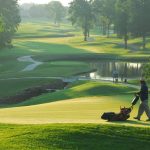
{"x": 73, "y": 137}
{"x": 13, "y": 87}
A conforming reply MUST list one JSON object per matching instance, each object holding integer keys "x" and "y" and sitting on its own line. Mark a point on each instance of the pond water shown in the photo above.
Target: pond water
{"x": 106, "y": 70}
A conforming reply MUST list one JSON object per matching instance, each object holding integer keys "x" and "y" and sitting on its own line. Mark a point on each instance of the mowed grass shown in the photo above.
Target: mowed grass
{"x": 38, "y": 48}
{"x": 113, "y": 47}
{"x": 73, "y": 137}
{"x": 101, "y": 45}
{"x": 50, "y": 49}
{"x": 82, "y": 103}
{"x": 44, "y": 29}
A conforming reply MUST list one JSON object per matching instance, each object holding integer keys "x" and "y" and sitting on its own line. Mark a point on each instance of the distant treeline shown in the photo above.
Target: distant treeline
{"x": 53, "y": 11}
{"x": 11, "y": 14}
{"x": 127, "y": 18}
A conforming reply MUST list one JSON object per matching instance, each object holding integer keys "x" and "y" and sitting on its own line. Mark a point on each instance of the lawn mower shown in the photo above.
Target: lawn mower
{"x": 124, "y": 113}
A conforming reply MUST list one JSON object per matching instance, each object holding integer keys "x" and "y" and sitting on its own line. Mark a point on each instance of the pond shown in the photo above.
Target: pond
{"x": 106, "y": 70}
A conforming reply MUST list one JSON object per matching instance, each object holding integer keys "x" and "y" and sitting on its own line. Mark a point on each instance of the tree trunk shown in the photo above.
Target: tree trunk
{"x": 126, "y": 41}
{"x": 104, "y": 29}
{"x": 85, "y": 35}
{"x": 108, "y": 33}
{"x": 88, "y": 33}
{"x": 85, "y": 38}
{"x": 144, "y": 41}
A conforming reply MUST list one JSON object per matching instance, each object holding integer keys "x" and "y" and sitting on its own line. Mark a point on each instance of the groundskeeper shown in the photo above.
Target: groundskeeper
{"x": 144, "y": 107}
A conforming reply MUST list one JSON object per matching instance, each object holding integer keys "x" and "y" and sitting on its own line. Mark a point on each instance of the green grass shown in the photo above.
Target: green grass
{"x": 44, "y": 29}
{"x": 39, "y": 48}
{"x": 83, "y": 102}
{"x": 13, "y": 87}
{"x": 113, "y": 47}
{"x": 73, "y": 137}
{"x": 84, "y": 89}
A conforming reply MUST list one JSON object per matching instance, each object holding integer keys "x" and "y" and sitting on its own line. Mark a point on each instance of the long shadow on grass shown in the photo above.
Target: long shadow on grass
{"x": 78, "y": 92}
{"x": 51, "y": 51}
{"x": 49, "y": 48}
{"x": 132, "y": 122}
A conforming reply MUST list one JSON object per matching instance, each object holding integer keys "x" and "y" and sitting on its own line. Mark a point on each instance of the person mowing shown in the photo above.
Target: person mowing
{"x": 144, "y": 107}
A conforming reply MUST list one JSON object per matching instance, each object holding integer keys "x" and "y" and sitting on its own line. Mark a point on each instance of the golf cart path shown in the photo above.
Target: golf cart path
{"x": 30, "y": 60}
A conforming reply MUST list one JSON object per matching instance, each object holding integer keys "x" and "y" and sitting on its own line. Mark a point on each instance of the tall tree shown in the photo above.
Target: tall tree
{"x": 140, "y": 18}
{"x": 106, "y": 10}
{"x": 56, "y": 11}
{"x": 123, "y": 20}
{"x": 81, "y": 13}
{"x": 38, "y": 11}
{"x": 10, "y": 19}
{"x": 1, "y": 25}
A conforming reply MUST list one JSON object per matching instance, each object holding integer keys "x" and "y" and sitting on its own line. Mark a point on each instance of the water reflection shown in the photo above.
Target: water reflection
{"x": 125, "y": 70}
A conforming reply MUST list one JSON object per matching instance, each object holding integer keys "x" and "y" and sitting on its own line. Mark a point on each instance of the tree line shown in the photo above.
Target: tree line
{"x": 11, "y": 14}
{"x": 53, "y": 11}
{"x": 127, "y": 18}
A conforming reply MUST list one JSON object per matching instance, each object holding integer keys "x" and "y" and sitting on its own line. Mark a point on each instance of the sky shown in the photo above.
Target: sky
{"x": 64, "y": 2}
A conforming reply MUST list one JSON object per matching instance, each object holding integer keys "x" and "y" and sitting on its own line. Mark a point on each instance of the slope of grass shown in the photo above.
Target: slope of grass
{"x": 83, "y": 103}
{"x": 113, "y": 46}
{"x": 13, "y": 87}
{"x": 73, "y": 137}
{"x": 82, "y": 90}
{"x": 44, "y": 29}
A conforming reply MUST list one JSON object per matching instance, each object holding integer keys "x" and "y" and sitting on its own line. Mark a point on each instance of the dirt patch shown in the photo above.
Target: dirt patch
{"x": 33, "y": 92}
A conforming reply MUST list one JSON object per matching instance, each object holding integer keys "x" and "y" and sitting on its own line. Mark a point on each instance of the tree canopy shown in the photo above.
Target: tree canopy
{"x": 56, "y": 11}
{"x": 9, "y": 20}
{"x": 81, "y": 13}
{"x": 129, "y": 18}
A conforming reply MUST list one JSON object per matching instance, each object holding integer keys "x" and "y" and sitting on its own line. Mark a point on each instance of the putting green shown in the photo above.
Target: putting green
{"x": 85, "y": 109}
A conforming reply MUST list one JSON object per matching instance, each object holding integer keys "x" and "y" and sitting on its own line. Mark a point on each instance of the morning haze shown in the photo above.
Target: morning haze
{"x": 74, "y": 74}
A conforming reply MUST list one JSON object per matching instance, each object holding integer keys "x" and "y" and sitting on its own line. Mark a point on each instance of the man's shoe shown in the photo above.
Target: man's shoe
{"x": 137, "y": 118}
{"x": 148, "y": 119}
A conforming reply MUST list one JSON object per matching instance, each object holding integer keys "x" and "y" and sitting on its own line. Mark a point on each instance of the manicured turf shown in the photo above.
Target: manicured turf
{"x": 83, "y": 103}
{"x": 38, "y": 48}
{"x": 73, "y": 137}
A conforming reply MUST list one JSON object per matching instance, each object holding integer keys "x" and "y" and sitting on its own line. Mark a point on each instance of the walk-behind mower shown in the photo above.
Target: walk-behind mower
{"x": 123, "y": 115}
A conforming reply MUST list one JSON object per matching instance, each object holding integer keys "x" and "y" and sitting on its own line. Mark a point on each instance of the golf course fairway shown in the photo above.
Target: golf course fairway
{"x": 82, "y": 103}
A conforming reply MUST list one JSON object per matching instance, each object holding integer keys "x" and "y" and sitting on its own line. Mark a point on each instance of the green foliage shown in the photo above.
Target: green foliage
{"x": 38, "y": 11}
{"x": 1, "y": 25}
{"x": 56, "y": 11}
{"x": 146, "y": 71}
{"x": 105, "y": 12}
{"x": 122, "y": 21}
{"x": 81, "y": 13}
{"x": 140, "y": 18}
{"x": 9, "y": 13}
